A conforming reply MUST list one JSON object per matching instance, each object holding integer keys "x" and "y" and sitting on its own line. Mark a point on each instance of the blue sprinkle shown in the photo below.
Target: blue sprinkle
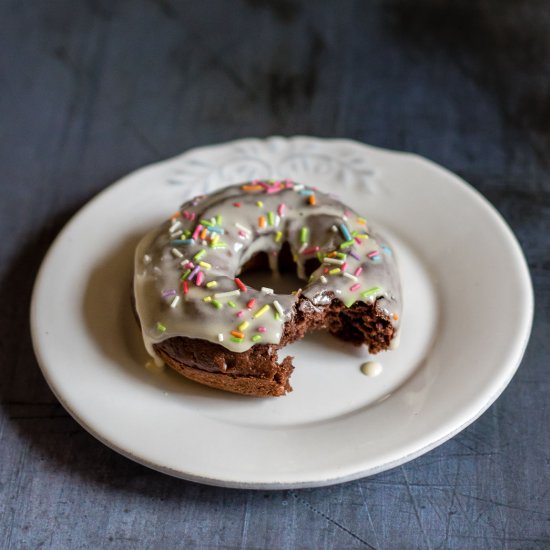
{"x": 387, "y": 250}
{"x": 180, "y": 241}
{"x": 216, "y": 229}
{"x": 306, "y": 192}
{"x": 345, "y": 232}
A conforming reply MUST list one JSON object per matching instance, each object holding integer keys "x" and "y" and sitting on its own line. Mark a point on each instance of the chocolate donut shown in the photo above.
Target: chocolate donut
{"x": 200, "y": 318}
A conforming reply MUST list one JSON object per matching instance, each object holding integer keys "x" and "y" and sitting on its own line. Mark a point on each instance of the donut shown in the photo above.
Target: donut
{"x": 198, "y": 315}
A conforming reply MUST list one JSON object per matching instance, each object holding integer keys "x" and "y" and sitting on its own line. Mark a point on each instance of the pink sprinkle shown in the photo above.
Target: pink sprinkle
{"x": 311, "y": 250}
{"x": 251, "y": 303}
{"x": 354, "y": 287}
{"x": 237, "y": 204}
{"x": 344, "y": 266}
{"x": 281, "y": 209}
{"x": 242, "y": 234}
{"x": 272, "y": 190}
{"x": 193, "y": 215}
{"x": 262, "y": 329}
{"x": 185, "y": 287}
{"x": 348, "y": 213}
{"x": 289, "y": 184}
{"x": 357, "y": 240}
{"x": 240, "y": 313}
{"x": 200, "y": 278}
{"x": 198, "y": 229}
{"x": 263, "y": 184}
{"x": 372, "y": 254}
{"x": 358, "y": 271}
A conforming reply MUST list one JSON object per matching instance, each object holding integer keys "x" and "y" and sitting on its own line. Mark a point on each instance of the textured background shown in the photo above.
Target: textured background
{"x": 92, "y": 90}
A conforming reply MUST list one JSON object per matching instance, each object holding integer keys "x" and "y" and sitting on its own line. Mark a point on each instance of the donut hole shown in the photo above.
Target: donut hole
{"x": 256, "y": 272}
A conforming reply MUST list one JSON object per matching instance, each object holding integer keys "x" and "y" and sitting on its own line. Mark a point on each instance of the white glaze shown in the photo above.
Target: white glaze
{"x": 163, "y": 255}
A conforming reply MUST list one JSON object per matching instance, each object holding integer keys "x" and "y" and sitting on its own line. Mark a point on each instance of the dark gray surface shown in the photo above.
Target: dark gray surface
{"x": 92, "y": 90}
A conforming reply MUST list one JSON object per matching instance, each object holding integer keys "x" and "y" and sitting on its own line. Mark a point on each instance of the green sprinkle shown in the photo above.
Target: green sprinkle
{"x": 271, "y": 218}
{"x": 278, "y": 236}
{"x": 276, "y": 315}
{"x": 261, "y": 311}
{"x": 218, "y": 219}
{"x": 161, "y": 327}
{"x": 217, "y": 304}
{"x": 185, "y": 274}
{"x": 346, "y": 244}
{"x": 206, "y": 223}
{"x": 341, "y": 255}
{"x": 350, "y": 302}
{"x": 212, "y": 284}
{"x": 231, "y": 303}
{"x": 236, "y": 340}
{"x": 371, "y": 291}
{"x": 304, "y": 234}
{"x": 218, "y": 245}
{"x": 187, "y": 233}
{"x": 334, "y": 271}
{"x": 320, "y": 256}
{"x": 199, "y": 254}
{"x": 256, "y": 337}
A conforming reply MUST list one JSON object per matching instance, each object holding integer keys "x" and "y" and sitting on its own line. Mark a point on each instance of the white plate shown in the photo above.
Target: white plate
{"x": 467, "y": 318}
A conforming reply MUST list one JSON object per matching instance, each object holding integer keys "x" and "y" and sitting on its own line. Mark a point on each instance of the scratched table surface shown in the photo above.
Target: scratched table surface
{"x": 92, "y": 90}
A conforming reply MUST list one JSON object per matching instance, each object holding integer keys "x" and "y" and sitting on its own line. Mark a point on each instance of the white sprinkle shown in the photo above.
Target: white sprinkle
{"x": 349, "y": 276}
{"x": 235, "y": 292}
{"x": 334, "y": 229}
{"x": 303, "y": 247}
{"x": 174, "y": 302}
{"x": 333, "y": 261}
{"x": 323, "y": 279}
{"x": 220, "y": 337}
{"x": 175, "y": 226}
{"x": 237, "y": 246}
{"x": 176, "y": 234}
{"x": 338, "y": 291}
{"x": 157, "y": 270}
{"x": 147, "y": 259}
{"x": 279, "y": 308}
{"x": 277, "y": 220}
{"x": 213, "y": 220}
{"x": 242, "y": 227}
{"x": 177, "y": 253}
{"x": 298, "y": 187}
{"x": 267, "y": 290}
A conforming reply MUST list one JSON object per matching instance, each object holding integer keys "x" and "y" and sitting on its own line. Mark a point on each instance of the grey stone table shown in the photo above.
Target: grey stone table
{"x": 92, "y": 90}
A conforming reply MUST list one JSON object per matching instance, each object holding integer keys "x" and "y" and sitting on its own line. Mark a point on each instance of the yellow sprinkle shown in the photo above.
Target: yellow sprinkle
{"x": 207, "y": 299}
{"x": 260, "y": 204}
{"x": 206, "y": 265}
{"x": 243, "y": 325}
{"x": 261, "y": 311}
{"x": 278, "y": 236}
{"x": 212, "y": 284}
{"x": 362, "y": 236}
{"x": 214, "y": 238}
{"x": 334, "y": 271}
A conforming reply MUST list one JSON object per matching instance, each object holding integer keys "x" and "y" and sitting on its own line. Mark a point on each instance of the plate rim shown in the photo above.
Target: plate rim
{"x": 512, "y": 364}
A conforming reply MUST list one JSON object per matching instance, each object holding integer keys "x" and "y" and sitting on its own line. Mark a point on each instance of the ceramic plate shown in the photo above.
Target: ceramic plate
{"x": 466, "y": 321}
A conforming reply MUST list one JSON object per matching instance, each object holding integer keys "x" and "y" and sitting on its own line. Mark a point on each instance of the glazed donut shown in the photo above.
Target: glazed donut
{"x": 198, "y": 315}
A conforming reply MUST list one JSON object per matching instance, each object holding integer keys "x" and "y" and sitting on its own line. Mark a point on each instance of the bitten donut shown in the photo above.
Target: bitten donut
{"x": 198, "y": 315}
